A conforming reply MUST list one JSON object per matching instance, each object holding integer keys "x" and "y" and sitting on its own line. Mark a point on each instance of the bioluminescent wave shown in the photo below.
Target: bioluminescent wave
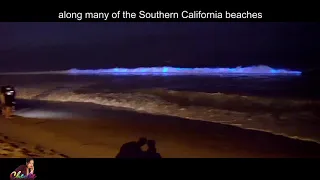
{"x": 169, "y": 71}
{"x": 252, "y": 70}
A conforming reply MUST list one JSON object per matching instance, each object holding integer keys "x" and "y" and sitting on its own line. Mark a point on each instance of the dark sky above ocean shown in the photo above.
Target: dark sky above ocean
{"x": 59, "y": 46}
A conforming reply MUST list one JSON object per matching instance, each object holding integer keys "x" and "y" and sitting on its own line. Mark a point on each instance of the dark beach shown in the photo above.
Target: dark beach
{"x": 95, "y": 131}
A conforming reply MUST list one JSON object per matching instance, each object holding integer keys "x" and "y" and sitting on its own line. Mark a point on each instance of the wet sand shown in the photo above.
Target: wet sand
{"x": 93, "y": 131}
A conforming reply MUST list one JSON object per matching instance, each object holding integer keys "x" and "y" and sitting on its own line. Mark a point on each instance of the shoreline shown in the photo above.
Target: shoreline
{"x": 103, "y": 134}
{"x": 105, "y": 111}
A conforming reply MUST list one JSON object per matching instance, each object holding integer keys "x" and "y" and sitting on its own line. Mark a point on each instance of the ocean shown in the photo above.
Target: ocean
{"x": 276, "y": 103}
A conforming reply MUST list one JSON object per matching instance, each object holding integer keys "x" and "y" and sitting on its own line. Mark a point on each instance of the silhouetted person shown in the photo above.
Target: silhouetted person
{"x": 132, "y": 149}
{"x": 8, "y": 94}
{"x": 152, "y": 151}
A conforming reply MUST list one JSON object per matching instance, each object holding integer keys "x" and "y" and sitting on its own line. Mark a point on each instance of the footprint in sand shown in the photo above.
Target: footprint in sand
{"x": 14, "y": 145}
{"x": 15, "y": 149}
{"x": 63, "y": 155}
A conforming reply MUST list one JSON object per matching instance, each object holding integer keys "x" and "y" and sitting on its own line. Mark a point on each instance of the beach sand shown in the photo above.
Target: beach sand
{"x": 18, "y": 149}
{"x": 94, "y": 131}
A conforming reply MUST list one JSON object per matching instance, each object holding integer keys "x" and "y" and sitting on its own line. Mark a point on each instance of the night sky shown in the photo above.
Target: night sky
{"x": 59, "y": 46}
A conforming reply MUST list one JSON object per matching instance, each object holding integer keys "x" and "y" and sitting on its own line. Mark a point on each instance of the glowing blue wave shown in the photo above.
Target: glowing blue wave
{"x": 252, "y": 70}
{"x": 171, "y": 71}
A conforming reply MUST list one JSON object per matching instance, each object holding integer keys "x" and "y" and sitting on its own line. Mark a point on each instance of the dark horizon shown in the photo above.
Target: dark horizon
{"x": 61, "y": 46}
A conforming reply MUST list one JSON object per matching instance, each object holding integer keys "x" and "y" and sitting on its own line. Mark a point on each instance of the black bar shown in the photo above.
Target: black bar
{"x": 250, "y": 14}
{"x": 67, "y": 168}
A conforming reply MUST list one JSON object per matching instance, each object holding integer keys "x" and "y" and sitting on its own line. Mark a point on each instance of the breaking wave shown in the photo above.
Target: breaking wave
{"x": 251, "y": 70}
{"x": 292, "y": 118}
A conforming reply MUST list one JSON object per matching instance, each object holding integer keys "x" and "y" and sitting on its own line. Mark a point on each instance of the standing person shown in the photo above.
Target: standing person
{"x": 7, "y": 100}
{"x": 2, "y": 98}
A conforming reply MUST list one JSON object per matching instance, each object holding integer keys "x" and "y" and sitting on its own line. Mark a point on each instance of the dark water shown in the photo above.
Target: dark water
{"x": 267, "y": 86}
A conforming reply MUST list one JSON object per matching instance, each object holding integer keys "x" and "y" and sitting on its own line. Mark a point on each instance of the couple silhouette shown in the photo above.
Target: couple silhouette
{"x": 134, "y": 149}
